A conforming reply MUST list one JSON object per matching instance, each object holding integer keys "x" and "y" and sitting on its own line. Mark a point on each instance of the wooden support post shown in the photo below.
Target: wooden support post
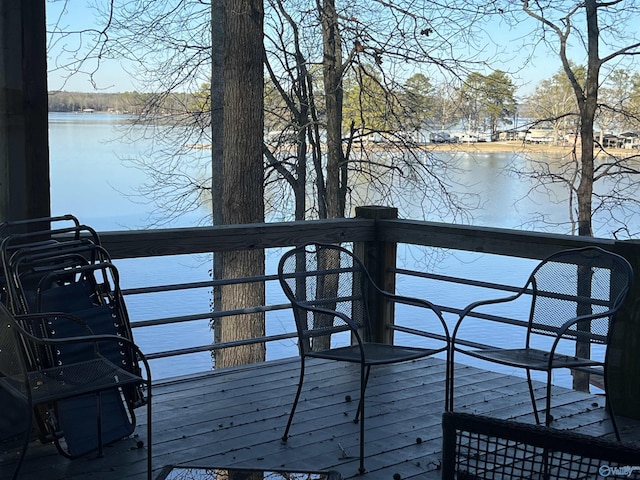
{"x": 623, "y": 376}
{"x": 24, "y": 144}
{"x": 380, "y": 259}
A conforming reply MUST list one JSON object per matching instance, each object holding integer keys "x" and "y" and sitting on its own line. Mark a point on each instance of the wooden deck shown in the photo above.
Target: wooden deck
{"x": 235, "y": 417}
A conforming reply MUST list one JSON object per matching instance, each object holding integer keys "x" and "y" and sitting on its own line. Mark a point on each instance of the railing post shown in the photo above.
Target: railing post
{"x": 623, "y": 382}
{"x": 380, "y": 259}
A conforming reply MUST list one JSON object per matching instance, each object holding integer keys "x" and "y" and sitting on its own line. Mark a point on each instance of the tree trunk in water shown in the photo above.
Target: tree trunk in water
{"x": 243, "y": 189}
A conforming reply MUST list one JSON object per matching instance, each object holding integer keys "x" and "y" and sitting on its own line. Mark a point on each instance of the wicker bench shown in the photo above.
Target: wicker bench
{"x": 477, "y": 447}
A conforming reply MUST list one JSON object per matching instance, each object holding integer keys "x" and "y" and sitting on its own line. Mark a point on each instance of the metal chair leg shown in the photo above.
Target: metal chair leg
{"x": 547, "y": 414}
{"x": 149, "y": 435}
{"x": 364, "y": 377}
{"x": 295, "y": 403}
{"x": 533, "y": 397}
{"x": 366, "y": 381}
{"x": 99, "y": 424}
{"x": 448, "y": 393}
{"x": 449, "y": 381}
{"x": 609, "y": 409}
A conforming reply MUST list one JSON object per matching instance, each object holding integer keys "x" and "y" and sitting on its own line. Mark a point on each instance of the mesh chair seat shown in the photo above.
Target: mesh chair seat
{"x": 73, "y": 380}
{"x": 531, "y": 358}
{"x": 375, "y": 353}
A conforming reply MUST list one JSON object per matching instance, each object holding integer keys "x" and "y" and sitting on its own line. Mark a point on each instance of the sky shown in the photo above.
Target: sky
{"x": 508, "y": 45}
{"x": 111, "y": 76}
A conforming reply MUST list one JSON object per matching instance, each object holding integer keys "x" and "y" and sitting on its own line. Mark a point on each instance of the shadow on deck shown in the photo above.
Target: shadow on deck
{"x": 235, "y": 417}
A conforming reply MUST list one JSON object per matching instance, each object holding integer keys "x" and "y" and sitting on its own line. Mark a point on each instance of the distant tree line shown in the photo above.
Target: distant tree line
{"x": 60, "y": 101}
{"x": 124, "y": 102}
{"x": 478, "y": 103}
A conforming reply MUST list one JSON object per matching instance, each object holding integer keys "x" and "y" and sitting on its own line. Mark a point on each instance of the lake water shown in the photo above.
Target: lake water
{"x": 90, "y": 180}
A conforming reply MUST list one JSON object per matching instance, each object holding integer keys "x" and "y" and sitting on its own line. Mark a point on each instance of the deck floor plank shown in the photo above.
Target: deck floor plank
{"x": 236, "y": 417}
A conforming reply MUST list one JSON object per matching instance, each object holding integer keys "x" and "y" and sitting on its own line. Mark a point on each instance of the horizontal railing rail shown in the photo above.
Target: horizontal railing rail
{"x": 177, "y": 241}
{"x": 198, "y": 240}
{"x": 208, "y": 315}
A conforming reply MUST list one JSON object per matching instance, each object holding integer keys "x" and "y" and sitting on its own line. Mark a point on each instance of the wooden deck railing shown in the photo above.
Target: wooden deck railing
{"x": 374, "y": 235}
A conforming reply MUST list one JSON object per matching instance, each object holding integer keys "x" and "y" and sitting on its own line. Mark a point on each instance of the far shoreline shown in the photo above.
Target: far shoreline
{"x": 519, "y": 146}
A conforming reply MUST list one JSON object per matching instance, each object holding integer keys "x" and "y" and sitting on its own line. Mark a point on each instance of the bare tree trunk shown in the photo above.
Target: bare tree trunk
{"x": 587, "y": 103}
{"x": 587, "y": 99}
{"x": 585, "y": 199}
{"x": 243, "y": 189}
{"x": 332, "y": 71}
{"x": 217, "y": 138}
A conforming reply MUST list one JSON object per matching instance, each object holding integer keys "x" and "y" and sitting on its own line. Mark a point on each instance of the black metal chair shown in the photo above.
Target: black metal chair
{"x": 329, "y": 289}
{"x": 39, "y": 370}
{"x": 574, "y": 296}
{"x": 479, "y": 447}
{"x": 58, "y": 265}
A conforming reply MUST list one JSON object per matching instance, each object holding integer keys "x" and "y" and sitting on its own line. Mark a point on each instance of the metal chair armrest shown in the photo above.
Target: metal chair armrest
{"x": 327, "y": 311}
{"x": 421, "y": 303}
{"x": 472, "y": 306}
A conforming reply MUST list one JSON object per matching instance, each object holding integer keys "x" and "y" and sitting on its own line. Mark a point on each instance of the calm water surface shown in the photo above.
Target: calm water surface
{"x": 89, "y": 180}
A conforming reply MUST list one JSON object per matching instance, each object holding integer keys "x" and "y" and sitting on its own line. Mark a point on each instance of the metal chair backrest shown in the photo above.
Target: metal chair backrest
{"x": 476, "y": 446}
{"x": 326, "y": 285}
{"x": 29, "y": 247}
{"x": 589, "y": 283}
